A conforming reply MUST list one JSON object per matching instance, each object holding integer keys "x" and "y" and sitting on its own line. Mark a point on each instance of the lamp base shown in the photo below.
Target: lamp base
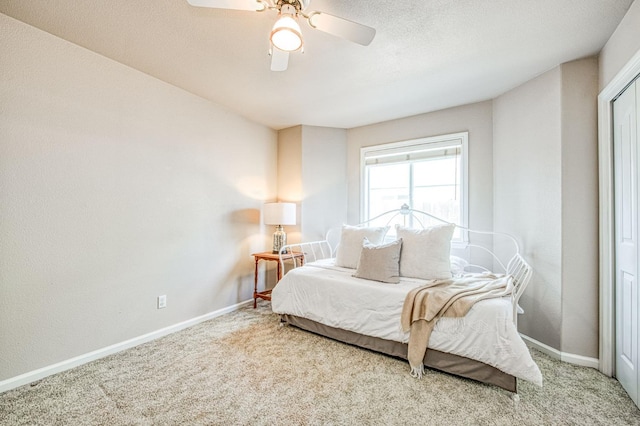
{"x": 278, "y": 252}
{"x": 279, "y": 239}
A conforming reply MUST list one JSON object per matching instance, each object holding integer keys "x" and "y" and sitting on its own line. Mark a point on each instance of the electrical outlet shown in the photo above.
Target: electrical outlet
{"x": 162, "y": 301}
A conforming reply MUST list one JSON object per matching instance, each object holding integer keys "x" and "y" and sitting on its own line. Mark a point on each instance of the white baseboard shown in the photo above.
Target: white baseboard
{"x": 562, "y": 356}
{"x": 41, "y": 373}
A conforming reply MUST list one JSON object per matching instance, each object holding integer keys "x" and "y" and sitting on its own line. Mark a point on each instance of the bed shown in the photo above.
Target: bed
{"x": 333, "y": 295}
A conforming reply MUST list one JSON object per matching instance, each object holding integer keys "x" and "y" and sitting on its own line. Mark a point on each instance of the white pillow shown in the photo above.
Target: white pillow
{"x": 425, "y": 252}
{"x": 351, "y": 239}
{"x": 457, "y": 265}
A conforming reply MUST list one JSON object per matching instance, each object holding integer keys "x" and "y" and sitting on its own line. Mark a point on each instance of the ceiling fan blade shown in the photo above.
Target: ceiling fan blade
{"x": 279, "y": 60}
{"x": 254, "y": 5}
{"x": 341, "y": 27}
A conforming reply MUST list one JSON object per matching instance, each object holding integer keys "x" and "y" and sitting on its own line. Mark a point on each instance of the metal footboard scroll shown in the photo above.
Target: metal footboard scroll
{"x": 521, "y": 273}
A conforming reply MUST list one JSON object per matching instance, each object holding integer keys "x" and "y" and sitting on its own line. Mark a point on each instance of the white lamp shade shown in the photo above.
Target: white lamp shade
{"x": 280, "y": 213}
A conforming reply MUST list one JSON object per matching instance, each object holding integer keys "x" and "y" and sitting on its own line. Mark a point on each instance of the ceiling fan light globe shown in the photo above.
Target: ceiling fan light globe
{"x": 286, "y": 34}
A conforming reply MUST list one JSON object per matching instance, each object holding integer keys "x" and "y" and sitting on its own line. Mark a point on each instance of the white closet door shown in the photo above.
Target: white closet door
{"x": 626, "y": 232}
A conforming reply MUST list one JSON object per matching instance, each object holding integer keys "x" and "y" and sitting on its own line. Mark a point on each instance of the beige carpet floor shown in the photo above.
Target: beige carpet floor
{"x": 243, "y": 368}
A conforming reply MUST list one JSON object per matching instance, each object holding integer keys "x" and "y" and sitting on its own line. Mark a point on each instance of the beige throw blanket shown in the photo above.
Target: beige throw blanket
{"x": 424, "y": 305}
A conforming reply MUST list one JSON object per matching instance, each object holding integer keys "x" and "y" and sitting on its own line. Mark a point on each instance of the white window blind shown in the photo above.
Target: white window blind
{"x": 412, "y": 153}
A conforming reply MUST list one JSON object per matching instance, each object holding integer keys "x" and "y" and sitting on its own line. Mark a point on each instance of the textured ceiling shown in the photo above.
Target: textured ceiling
{"x": 427, "y": 54}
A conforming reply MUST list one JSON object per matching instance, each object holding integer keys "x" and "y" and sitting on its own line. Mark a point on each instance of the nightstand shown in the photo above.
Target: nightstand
{"x": 269, "y": 256}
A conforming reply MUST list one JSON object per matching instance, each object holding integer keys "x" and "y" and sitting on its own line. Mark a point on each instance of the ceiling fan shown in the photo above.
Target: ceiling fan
{"x": 286, "y": 35}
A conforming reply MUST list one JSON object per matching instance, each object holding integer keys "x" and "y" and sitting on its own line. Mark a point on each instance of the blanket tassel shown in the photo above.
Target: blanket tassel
{"x": 417, "y": 372}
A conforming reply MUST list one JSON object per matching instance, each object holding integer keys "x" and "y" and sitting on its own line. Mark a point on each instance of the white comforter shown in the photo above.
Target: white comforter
{"x": 325, "y": 293}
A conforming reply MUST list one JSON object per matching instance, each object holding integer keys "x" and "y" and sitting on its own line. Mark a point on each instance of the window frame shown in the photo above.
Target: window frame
{"x": 412, "y": 145}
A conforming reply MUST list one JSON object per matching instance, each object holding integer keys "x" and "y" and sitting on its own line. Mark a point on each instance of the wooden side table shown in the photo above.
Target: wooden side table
{"x": 269, "y": 256}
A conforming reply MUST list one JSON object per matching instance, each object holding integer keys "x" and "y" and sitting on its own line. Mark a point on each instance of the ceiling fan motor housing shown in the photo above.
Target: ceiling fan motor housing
{"x": 299, "y": 5}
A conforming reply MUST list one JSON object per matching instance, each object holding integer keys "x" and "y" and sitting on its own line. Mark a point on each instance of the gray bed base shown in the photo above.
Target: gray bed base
{"x": 448, "y": 363}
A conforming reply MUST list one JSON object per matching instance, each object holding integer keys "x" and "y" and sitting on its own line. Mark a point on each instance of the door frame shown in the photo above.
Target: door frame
{"x": 606, "y": 212}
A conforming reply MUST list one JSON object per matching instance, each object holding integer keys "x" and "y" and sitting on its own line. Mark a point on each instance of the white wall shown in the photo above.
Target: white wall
{"x": 115, "y": 188}
{"x": 290, "y": 175}
{"x": 312, "y": 172}
{"x": 621, "y": 46}
{"x": 580, "y": 208}
{"x": 324, "y": 160}
{"x": 527, "y": 194}
{"x": 545, "y": 192}
{"x": 290, "y": 164}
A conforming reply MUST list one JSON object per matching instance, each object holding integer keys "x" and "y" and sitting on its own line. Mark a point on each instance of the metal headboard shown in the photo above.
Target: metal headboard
{"x": 406, "y": 211}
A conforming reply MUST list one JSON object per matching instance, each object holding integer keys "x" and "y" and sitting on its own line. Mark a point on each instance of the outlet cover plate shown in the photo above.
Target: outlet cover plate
{"x": 162, "y": 301}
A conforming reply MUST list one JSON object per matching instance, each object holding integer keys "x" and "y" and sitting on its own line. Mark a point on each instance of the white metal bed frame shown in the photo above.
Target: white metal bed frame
{"x": 517, "y": 267}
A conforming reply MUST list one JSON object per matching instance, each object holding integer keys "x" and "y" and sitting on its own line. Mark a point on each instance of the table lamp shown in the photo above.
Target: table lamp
{"x": 279, "y": 214}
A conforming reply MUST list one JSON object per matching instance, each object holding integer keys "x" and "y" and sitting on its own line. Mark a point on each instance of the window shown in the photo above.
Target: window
{"x": 428, "y": 174}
